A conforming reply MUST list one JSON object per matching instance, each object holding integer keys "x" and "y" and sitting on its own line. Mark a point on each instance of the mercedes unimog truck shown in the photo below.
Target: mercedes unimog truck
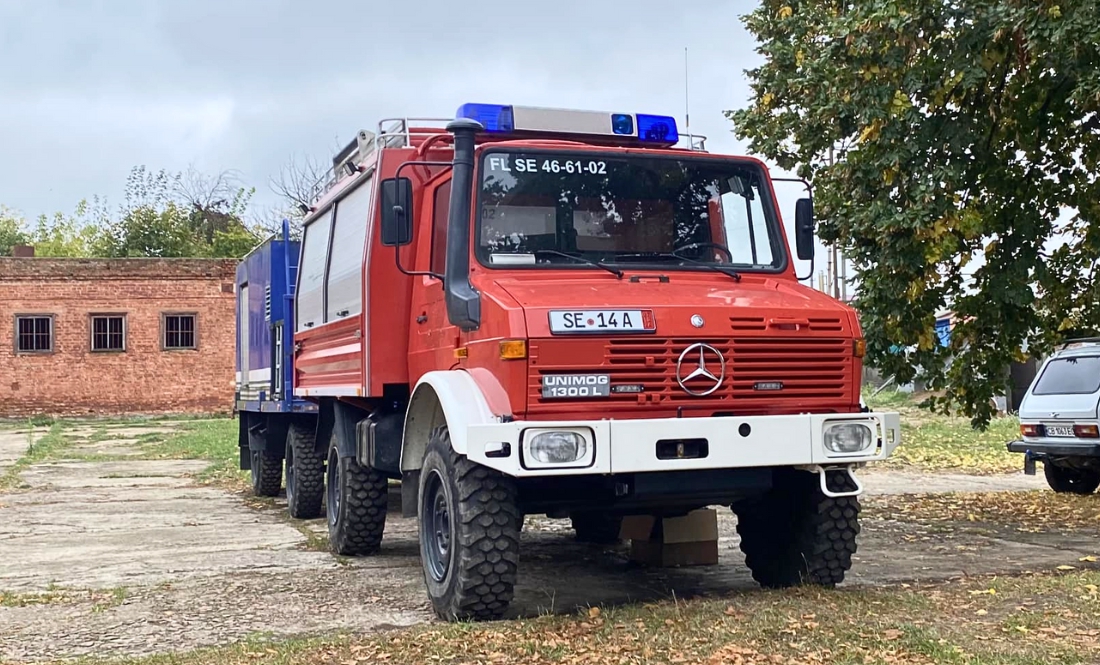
{"x": 525, "y": 310}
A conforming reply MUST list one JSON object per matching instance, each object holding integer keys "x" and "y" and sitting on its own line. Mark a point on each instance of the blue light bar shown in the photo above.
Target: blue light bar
{"x": 626, "y": 128}
{"x": 493, "y": 117}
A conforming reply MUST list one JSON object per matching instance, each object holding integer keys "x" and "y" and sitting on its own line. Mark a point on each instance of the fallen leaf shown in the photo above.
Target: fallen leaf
{"x": 1090, "y": 559}
{"x": 593, "y": 612}
{"x": 1066, "y": 567}
{"x": 892, "y": 633}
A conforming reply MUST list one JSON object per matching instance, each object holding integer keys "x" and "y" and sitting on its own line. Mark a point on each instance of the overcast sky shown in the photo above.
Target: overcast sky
{"x": 91, "y": 88}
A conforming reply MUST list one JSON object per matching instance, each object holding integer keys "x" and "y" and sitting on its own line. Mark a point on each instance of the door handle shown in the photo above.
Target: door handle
{"x": 422, "y": 318}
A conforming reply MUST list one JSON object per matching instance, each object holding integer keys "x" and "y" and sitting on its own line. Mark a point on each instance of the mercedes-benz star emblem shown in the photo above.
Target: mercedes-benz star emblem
{"x": 698, "y": 357}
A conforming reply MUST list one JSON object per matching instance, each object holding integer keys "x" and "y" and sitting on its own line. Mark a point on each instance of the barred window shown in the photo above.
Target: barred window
{"x": 34, "y": 334}
{"x": 108, "y": 332}
{"x": 180, "y": 331}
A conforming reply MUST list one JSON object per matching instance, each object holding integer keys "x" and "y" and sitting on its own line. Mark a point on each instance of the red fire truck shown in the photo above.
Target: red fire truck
{"x": 543, "y": 311}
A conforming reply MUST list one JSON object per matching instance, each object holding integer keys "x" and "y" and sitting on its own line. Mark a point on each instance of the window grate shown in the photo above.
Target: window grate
{"x": 34, "y": 334}
{"x": 179, "y": 331}
{"x": 108, "y": 333}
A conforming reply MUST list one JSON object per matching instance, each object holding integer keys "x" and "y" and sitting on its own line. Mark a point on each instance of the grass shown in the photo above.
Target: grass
{"x": 213, "y": 440}
{"x": 102, "y": 599}
{"x": 1052, "y": 618}
{"x": 49, "y": 446}
{"x": 935, "y": 442}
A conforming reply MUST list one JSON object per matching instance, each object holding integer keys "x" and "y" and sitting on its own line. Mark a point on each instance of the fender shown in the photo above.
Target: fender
{"x": 446, "y": 397}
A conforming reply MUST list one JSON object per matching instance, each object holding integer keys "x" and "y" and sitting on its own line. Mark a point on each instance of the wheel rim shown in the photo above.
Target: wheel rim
{"x": 333, "y": 488}
{"x": 290, "y": 474}
{"x": 437, "y": 528}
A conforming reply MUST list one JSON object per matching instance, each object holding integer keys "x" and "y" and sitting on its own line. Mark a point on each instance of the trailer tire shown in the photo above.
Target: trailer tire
{"x": 795, "y": 535}
{"x": 597, "y": 527}
{"x": 305, "y": 473}
{"x": 266, "y": 471}
{"x": 1070, "y": 479}
{"x": 357, "y": 502}
{"x": 469, "y": 524}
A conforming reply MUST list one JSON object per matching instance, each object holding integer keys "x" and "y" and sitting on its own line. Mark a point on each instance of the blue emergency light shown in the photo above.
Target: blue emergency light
{"x": 632, "y": 127}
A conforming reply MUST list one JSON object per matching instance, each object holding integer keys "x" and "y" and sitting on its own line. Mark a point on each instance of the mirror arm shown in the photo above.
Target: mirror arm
{"x": 810, "y": 191}
{"x": 397, "y": 248}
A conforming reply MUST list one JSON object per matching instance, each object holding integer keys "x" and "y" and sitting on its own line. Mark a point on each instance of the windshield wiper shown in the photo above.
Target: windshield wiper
{"x": 673, "y": 255}
{"x": 598, "y": 264}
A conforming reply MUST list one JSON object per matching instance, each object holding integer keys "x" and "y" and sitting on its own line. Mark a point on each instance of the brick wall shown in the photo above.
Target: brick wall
{"x": 144, "y": 378}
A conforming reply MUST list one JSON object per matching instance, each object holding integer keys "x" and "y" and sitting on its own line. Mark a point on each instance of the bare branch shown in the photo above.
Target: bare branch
{"x": 300, "y": 182}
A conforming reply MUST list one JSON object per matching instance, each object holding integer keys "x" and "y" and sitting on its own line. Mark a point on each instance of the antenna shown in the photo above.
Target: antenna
{"x": 687, "y": 102}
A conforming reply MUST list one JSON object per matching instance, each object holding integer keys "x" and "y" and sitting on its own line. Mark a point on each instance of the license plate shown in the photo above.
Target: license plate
{"x": 1059, "y": 430}
{"x": 602, "y": 320}
{"x": 559, "y": 386}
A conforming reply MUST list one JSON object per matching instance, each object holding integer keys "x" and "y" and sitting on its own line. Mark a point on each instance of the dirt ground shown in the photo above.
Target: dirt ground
{"x": 123, "y": 556}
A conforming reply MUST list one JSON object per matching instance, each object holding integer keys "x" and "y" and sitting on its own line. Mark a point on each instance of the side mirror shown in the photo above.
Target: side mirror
{"x": 397, "y": 211}
{"x": 804, "y": 228}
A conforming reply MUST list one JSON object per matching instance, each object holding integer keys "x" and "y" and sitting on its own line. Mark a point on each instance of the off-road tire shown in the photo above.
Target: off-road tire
{"x": 1070, "y": 479}
{"x": 479, "y": 568}
{"x": 795, "y": 535}
{"x": 597, "y": 527}
{"x": 267, "y": 473}
{"x": 358, "y": 498}
{"x": 305, "y": 474}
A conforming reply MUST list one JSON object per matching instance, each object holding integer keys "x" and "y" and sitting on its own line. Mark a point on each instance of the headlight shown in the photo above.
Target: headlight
{"x": 556, "y": 448}
{"x": 848, "y": 437}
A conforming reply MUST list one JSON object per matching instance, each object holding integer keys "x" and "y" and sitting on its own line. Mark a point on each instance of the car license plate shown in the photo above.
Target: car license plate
{"x": 557, "y": 386}
{"x": 602, "y": 320}
{"x": 1059, "y": 430}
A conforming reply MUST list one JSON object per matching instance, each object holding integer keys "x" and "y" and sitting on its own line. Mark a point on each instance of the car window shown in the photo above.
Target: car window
{"x": 1070, "y": 376}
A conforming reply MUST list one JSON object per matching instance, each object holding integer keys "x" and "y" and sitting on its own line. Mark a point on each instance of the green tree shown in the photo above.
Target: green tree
{"x": 962, "y": 131}
{"x": 12, "y": 232}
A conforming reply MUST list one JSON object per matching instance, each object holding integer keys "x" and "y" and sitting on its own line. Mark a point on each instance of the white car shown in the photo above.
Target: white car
{"x": 1059, "y": 419}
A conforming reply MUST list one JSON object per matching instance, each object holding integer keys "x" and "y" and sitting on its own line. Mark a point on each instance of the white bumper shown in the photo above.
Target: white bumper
{"x": 630, "y": 446}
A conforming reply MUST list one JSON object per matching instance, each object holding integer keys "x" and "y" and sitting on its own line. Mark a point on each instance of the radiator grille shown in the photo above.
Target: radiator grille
{"x": 811, "y": 369}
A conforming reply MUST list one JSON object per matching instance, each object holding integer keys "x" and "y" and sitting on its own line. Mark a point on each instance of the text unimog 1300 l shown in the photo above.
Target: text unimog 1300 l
{"x": 550, "y": 311}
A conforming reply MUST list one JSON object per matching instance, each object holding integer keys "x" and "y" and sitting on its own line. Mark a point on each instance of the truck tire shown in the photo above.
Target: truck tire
{"x": 266, "y": 471}
{"x": 1070, "y": 479}
{"x": 305, "y": 473}
{"x": 597, "y": 527}
{"x": 795, "y": 535}
{"x": 357, "y": 501}
{"x": 469, "y": 534}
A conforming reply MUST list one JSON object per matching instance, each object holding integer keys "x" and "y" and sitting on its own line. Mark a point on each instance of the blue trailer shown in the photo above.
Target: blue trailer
{"x": 273, "y": 422}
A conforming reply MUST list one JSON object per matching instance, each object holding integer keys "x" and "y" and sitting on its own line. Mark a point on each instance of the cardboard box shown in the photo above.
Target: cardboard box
{"x": 691, "y": 540}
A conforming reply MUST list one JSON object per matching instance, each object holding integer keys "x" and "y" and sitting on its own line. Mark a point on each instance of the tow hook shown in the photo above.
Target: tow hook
{"x": 829, "y": 476}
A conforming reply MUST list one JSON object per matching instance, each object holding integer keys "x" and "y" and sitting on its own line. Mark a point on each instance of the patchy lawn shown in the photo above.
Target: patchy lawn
{"x": 933, "y": 442}
{"x": 39, "y": 448}
{"x": 1052, "y": 618}
{"x": 213, "y": 440}
{"x": 1039, "y": 511}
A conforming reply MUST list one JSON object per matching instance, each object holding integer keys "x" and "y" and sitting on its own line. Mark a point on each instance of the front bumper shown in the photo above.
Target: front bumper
{"x": 631, "y": 446}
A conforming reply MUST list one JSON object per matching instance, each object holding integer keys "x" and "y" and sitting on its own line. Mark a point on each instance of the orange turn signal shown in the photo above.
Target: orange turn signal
{"x": 859, "y": 348}
{"x": 513, "y": 349}
{"x": 462, "y": 352}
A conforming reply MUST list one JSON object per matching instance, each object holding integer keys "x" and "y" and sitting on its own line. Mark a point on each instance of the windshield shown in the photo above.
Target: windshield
{"x": 536, "y": 206}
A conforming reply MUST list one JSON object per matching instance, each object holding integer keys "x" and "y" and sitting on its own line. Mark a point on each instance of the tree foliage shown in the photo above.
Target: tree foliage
{"x": 163, "y": 215}
{"x": 966, "y": 139}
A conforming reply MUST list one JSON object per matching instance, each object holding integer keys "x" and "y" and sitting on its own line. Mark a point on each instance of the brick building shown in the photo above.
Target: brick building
{"x": 115, "y": 336}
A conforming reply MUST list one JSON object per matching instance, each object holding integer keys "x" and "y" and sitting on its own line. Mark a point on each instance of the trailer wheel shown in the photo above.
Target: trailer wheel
{"x": 795, "y": 535}
{"x": 305, "y": 473}
{"x": 469, "y": 534}
{"x": 1071, "y": 479}
{"x": 357, "y": 498}
{"x": 597, "y": 527}
{"x": 267, "y": 473}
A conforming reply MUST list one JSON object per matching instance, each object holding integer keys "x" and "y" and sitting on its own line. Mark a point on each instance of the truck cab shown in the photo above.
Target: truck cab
{"x": 532, "y": 310}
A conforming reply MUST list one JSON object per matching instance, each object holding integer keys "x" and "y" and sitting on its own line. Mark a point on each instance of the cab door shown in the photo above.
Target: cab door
{"x": 432, "y": 337}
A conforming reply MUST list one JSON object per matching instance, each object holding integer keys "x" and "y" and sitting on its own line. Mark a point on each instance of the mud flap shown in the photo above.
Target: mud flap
{"x": 1029, "y": 464}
